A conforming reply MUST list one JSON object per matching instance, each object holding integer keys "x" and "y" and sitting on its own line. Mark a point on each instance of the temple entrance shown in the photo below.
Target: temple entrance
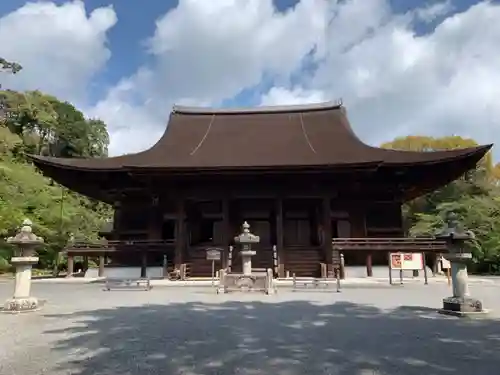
{"x": 303, "y": 237}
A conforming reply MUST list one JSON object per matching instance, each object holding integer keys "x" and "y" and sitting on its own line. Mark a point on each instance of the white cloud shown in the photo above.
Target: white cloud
{"x": 280, "y": 95}
{"x": 59, "y": 47}
{"x": 393, "y": 80}
{"x": 432, "y": 11}
{"x": 208, "y": 51}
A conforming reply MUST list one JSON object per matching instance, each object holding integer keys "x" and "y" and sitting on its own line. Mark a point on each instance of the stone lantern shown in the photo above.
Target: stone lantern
{"x": 246, "y": 239}
{"x": 248, "y": 280}
{"x": 26, "y": 242}
{"x": 461, "y": 303}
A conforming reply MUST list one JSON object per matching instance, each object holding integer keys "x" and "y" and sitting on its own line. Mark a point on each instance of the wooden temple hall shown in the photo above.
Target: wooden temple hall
{"x": 298, "y": 175}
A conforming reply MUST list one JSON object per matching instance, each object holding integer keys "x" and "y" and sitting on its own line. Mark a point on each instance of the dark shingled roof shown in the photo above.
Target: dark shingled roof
{"x": 267, "y": 137}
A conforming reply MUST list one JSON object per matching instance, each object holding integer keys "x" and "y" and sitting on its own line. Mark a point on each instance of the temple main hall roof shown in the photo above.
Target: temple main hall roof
{"x": 302, "y": 136}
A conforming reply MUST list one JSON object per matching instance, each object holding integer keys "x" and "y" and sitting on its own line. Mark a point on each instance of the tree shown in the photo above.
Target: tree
{"x": 52, "y": 127}
{"x": 474, "y": 198}
{"x": 11, "y": 67}
{"x": 35, "y": 122}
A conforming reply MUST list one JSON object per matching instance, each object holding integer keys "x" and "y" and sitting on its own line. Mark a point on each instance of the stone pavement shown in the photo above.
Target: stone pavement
{"x": 192, "y": 331}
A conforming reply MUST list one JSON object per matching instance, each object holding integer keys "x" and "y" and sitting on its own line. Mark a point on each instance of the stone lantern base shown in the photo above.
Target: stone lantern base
{"x": 462, "y": 306}
{"x": 22, "y": 301}
{"x": 17, "y": 305}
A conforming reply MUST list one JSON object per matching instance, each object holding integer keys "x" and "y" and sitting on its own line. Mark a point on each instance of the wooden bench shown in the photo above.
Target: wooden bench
{"x": 128, "y": 284}
{"x": 301, "y": 283}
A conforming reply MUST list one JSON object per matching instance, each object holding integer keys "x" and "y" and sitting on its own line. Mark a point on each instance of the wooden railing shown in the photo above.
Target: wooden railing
{"x": 112, "y": 246}
{"x": 390, "y": 244}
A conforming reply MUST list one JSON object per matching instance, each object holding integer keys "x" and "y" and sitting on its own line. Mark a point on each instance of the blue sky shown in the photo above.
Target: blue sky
{"x": 398, "y": 72}
{"x": 137, "y": 23}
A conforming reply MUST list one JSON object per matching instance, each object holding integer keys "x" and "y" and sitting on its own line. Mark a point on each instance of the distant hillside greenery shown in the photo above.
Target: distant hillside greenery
{"x": 37, "y": 123}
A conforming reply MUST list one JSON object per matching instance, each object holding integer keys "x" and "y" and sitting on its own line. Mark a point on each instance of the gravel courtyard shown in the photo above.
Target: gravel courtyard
{"x": 364, "y": 330}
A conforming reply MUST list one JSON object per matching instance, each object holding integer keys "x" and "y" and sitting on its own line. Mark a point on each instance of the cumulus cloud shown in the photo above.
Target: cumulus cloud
{"x": 59, "y": 47}
{"x": 281, "y": 95}
{"x": 393, "y": 78}
{"x": 396, "y": 82}
{"x": 208, "y": 51}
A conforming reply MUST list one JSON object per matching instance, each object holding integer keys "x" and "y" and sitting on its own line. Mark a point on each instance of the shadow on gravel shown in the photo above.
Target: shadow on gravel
{"x": 275, "y": 338}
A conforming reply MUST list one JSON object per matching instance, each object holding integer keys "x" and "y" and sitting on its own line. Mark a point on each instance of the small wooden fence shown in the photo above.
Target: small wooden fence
{"x": 409, "y": 245}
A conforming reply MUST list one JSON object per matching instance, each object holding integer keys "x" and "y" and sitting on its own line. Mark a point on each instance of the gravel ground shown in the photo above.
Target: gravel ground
{"x": 388, "y": 330}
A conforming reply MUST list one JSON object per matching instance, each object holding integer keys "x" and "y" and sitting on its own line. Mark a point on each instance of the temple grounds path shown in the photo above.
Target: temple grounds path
{"x": 169, "y": 330}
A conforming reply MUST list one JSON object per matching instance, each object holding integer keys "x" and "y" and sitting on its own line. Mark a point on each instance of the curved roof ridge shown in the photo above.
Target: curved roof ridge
{"x": 306, "y": 136}
{"x": 209, "y": 127}
{"x": 337, "y": 104}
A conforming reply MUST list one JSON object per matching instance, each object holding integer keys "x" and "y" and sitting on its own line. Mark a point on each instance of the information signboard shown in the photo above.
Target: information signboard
{"x": 213, "y": 254}
{"x": 406, "y": 261}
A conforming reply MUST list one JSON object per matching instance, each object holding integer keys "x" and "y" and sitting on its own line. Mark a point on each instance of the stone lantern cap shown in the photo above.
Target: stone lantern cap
{"x": 25, "y": 236}
{"x": 455, "y": 236}
{"x": 453, "y": 230}
{"x": 246, "y": 237}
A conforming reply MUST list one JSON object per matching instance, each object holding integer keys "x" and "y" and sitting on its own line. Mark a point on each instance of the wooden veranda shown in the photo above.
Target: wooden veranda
{"x": 147, "y": 249}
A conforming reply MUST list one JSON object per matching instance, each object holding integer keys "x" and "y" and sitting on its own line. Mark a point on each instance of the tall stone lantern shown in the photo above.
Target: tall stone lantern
{"x": 246, "y": 239}
{"x": 461, "y": 303}
{"x": 25, "y": 257}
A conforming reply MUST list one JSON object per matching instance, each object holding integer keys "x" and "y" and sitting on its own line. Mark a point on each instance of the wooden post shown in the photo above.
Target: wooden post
{"x": 117, "y": 218}
{"x": 101, "y": 266}
{"x": 179, "y": 235}
{"x": 359, "y": 231}
{"x": 369, "y": 265}
{"x": 280, "y": 249}
{"x": 327, "y": 233}
{"x": 226, "y": 232}
{"x": 71, "y": 265}
{"x": 155, "y": 220}
{"x": 144, "y": 264}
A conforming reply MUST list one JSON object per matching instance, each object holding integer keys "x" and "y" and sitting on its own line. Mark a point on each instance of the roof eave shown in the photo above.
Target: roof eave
{"x": 270, "y": 168}
{"x": 258, "y": 110}
{"x": 476, "y": 152}
{"x": 40, "y": 162}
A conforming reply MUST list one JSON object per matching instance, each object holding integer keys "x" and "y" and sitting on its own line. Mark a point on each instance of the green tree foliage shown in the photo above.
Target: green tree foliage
{"x": 51, "y": 127}
{"x": 8, "y": 66}
{"x": 475, "y": 198}
{"x": 34, "y": 122}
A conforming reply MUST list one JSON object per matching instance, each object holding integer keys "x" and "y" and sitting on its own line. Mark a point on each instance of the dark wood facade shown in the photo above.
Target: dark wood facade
{"x": 211, "y": 213}
{"x": 298, "y": 175}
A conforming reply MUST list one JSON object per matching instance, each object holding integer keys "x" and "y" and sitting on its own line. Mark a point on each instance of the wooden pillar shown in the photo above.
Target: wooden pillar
{"x": 179, "y": 233}
{"x": 327, "y": 233}
{"x": 359, "y": 231}
{"x": 144, "y": 264}
{"x": 155, "y": 220}
{"x": 117, "y": 217}
{"x": 363, "y": 233}
{"x": 154, "y": 228}
{"x": 369, "y": 265}
{"x": 279, "y": 237}
{"x": 100, "y": 273}
{"x": 71, "y": 265}
{"x": 226, "y": 232}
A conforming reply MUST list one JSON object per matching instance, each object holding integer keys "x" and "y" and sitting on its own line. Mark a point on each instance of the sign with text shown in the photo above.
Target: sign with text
{"x": 406, "y": 261}
{"x": 213, "y": 254}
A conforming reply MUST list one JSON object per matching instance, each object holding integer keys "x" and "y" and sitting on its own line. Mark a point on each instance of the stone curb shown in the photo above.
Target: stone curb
{"x": 208, "y": 282}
